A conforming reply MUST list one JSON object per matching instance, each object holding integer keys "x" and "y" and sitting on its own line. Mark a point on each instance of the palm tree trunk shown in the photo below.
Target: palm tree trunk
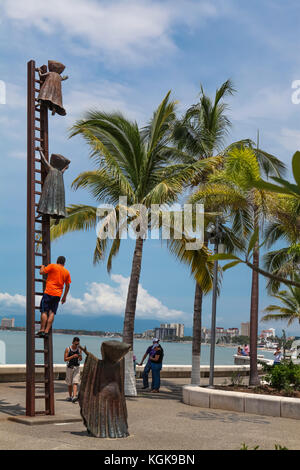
{"x": 196, "y": 347}
{"x": 254, "y": 379}
{"x": 128, "y": 328}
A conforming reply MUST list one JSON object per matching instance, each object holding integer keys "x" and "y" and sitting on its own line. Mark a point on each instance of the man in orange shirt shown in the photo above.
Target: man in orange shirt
{"x": 57, "y": 277}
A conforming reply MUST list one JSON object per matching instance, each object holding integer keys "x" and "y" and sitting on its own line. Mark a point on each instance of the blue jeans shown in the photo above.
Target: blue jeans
{"x": 156, "y": 368}
{"x": 145, "y": 374}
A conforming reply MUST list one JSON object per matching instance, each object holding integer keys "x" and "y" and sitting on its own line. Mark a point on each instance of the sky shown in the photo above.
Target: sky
{"x": 125, "y": 55}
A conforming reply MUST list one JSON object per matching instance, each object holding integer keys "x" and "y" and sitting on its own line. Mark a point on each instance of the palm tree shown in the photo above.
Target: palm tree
{"x": 289, "y": 310}
{"x": 138, "y": 165}
{"x": 201, "y": 268}
{"x": 229, "y": 188}
{"x": 283, "y": 224}
{"x": 284, "y": 186}
{"x": 200, "y": 133}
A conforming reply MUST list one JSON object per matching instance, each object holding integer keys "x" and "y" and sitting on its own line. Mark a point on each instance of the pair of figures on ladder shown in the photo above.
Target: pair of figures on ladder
{"x": 52, "y": 200}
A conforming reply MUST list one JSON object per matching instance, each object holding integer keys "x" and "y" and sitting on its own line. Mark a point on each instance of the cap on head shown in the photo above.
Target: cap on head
{"x": 155, "y": 340}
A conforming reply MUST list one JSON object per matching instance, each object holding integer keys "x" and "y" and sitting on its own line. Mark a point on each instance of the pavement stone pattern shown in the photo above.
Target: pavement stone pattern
{"x": 156, "y": 422}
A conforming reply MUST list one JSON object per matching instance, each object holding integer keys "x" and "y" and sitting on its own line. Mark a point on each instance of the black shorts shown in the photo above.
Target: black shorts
{"x": 49, "y": 302}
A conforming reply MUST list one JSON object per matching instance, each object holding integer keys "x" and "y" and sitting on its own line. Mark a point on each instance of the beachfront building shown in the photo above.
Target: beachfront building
{"x": 222, "y": 334}
{"x": 7, "y": 323}
{"x": 148, "y": 334}
{"x": 270, "y": 332}
{"x": 165, "y": 333}
{"x": 245, "y": 329}
{"x": 179, "y": 327}
{"x": 232, "y": 332}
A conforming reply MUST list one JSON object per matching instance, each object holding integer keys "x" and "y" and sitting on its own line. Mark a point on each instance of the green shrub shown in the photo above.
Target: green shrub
{"x": 285, "y": 376}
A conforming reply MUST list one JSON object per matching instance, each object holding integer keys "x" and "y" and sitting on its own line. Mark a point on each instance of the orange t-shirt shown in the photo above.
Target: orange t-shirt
{"x": 58, "y": 275}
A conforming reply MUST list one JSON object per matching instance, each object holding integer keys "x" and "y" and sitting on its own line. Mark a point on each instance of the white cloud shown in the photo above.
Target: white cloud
{"x": 17, "y": 300}
{"x": 289, "y": 139}
{"x": 128, "y": 28}
{"x": 103, "y": 299}
{"x": 104, "y": 95}
{"x": 271, "y": 102}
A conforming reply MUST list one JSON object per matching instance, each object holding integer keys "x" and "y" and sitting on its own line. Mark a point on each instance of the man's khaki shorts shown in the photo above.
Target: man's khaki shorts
{"x": 73, "y": 375}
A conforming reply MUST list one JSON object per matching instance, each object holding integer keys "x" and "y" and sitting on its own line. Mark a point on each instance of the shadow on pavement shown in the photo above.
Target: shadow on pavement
{"x": 168, "y": 390}
{"x": 12, "y": 410}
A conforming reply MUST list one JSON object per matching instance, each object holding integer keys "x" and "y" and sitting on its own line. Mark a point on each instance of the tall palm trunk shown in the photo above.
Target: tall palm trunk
{"x": 254, "y": 379}
{"x": 196, "y": 347}
{"x": 128, "y": 329}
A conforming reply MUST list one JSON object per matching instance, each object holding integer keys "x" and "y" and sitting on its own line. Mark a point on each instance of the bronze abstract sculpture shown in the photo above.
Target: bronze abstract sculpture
{"x": 101, "y": 397}
{"x": 50, "y": 92}
{"x": 52, "y": 200}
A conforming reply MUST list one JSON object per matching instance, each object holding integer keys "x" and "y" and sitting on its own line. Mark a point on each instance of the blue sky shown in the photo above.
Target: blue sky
{"x": 125, "y": 55}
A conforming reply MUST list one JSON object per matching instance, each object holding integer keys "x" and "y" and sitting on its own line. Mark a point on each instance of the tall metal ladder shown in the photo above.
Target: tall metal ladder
{"x": 38, "y": 252}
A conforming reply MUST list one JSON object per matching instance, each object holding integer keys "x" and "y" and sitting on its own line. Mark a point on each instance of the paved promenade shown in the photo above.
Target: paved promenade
{"x": 156, "y": 422}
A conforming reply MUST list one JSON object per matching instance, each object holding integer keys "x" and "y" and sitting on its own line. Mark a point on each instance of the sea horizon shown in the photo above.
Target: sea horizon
{"x": 175, "y": 353}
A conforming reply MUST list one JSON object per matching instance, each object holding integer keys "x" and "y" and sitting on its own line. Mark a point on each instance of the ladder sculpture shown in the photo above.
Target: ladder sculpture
{"x": 38, "y": 252}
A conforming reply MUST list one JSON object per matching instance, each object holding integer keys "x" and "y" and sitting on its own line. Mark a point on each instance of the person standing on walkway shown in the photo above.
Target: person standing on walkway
{"x": 277, "y": 357}
{"x": 73, "y": 357}
{"x": 57, "y": 277}
{"x": 147, "y": 367}
{"x": 156, "y": 364}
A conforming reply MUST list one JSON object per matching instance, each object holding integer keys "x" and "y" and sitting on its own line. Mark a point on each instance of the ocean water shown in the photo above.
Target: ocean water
{"x": 174, "y": 353}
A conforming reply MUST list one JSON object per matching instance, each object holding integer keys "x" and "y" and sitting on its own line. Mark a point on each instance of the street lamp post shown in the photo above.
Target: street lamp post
{"x": 215, "y": 239}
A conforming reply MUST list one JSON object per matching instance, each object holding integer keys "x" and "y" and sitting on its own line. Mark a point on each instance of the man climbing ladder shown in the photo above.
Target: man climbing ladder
{"x": 57, "y": 277}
